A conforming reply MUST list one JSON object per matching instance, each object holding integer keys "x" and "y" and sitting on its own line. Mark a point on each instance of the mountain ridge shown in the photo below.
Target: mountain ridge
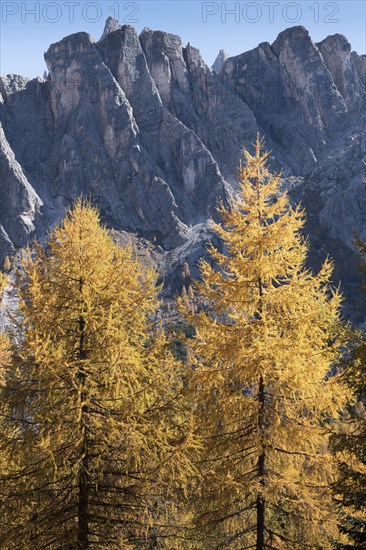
{"x": 142, "y": 126}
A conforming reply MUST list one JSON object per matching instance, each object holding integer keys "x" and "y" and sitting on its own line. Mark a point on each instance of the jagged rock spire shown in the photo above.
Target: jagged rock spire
{"x": 111, "y": 25}
{"x": 219, "y": 61}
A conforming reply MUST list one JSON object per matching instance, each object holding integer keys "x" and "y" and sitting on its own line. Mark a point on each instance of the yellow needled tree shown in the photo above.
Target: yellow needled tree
{"x": 92, "y": 424}
{"x": 5, "y": 358}
{"x": 349, "y": 445}
{"x": 266, "y": 338}
{"x": 4, "y": 343}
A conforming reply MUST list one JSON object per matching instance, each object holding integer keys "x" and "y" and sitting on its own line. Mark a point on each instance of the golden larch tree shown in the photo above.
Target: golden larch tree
{"x": 4, "y": 342}
{"x": 267, "y": 334}
{"x": 5, "y": 359}
{"x": 91, "y": 403}
{"x": 349, "y": 445}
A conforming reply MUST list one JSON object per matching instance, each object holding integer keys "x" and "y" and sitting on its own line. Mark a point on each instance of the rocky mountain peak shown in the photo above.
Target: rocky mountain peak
{"x": 164, "y": 56}
{"x": 111, "y": 25}
{"x": 219, "y": 61}
{"x": 338, "y": 41}
{"x": 336, "y": 52}
{"x": 292, "y": 34}
{"x": 142, "y": 126}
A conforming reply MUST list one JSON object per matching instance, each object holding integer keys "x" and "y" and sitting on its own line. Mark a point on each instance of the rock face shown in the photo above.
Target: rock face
{"x": 20, "y": 204}
{"x": 219, "y": 61}
{"x": 111, "y": 25}
{"x": 144, "y": 128}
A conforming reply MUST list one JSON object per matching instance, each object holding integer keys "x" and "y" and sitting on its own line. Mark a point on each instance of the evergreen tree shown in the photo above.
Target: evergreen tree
{"x": 266, "y": 336}
{"x": 350, "y": 445}
{"x": 91, "y": 414}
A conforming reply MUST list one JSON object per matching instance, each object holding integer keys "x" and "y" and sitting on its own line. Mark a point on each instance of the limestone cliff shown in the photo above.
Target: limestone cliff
{"x": 144, "y": 128}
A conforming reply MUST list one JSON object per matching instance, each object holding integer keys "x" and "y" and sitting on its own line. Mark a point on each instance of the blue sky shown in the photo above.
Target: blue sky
{"x": 29, "y": 27}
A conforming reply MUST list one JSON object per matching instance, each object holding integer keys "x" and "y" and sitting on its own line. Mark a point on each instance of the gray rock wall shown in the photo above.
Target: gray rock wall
{"x": 144, "y": 128}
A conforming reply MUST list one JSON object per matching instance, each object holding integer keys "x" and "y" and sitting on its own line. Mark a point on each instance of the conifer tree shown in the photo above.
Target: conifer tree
{"x": 267, "y": 334}
{"x": 4, "y": 365}
{"x": 4, "y": 343}
{"x": 90, "y": 408}
{"x": 350, "y": 445}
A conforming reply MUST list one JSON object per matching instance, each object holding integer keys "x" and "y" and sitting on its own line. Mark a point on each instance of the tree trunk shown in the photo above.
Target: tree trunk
{"x": 260, "y": 505}
{"x": 83, "y": 477}
{"x": 261, "y": 472}
{"x": 83, "y": 501}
